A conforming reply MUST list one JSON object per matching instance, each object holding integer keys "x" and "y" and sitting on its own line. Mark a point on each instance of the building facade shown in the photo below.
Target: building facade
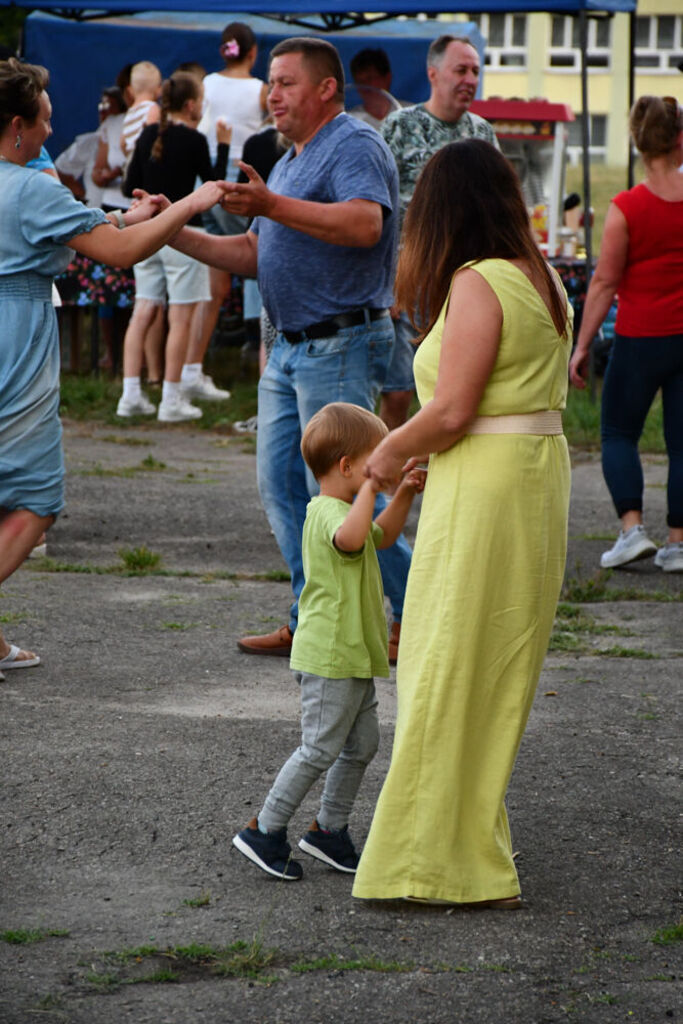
{"x": 537, "y": 56}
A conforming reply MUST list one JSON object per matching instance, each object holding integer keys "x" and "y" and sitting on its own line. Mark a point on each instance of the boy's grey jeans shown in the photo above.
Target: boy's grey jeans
{"x": 340, "y": 735}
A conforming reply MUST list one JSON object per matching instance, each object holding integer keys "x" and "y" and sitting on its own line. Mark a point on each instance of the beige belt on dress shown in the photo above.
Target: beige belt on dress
{"x": 547, "y": 421}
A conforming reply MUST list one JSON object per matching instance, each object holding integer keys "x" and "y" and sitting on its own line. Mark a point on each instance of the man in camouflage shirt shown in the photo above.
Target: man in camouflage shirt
{"x": 413, "y": 135}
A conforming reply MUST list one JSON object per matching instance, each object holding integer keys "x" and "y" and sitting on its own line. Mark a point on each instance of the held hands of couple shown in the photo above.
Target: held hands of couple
{"x": 249, "y": 199}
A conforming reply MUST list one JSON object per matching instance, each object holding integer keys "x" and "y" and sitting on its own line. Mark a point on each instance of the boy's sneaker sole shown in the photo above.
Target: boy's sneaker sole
{"x": 315, "y": 851}
{"x": 253, "y": 856}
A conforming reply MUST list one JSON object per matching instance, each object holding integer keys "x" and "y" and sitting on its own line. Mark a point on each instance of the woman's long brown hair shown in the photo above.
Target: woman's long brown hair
{"x": 467, "y": 206}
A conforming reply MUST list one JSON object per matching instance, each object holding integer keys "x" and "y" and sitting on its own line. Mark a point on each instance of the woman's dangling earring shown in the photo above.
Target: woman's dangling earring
{"x": 17, "y": 144}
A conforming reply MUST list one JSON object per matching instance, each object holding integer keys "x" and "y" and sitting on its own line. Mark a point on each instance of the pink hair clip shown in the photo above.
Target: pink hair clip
{"x": 231, "y": 48}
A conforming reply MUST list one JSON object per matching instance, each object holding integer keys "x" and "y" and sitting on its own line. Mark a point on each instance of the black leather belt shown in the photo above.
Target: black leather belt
{"x": 326, "y": 328}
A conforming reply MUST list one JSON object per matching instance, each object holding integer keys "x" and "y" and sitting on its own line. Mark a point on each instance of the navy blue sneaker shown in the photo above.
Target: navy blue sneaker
{"x": 334, "y": 847}
{"x": 270, "y": 851}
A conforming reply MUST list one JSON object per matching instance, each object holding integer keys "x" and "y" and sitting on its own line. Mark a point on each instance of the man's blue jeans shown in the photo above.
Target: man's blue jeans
{"x": 298, "y": 380}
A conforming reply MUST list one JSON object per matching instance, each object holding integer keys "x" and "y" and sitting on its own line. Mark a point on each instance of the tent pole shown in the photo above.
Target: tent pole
{"x": 631, "y": 90}
{"x": 586, "y": 134}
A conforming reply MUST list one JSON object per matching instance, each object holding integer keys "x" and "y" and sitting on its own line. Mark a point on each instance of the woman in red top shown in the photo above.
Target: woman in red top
{"x": 641, "y": 259}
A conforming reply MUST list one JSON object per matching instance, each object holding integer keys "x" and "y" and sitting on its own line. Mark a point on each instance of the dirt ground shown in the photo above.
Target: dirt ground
{"x": 145, "y": 740}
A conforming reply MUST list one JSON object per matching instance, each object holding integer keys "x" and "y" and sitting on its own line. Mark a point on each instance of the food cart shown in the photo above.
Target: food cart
{"x": 533, "y": 136}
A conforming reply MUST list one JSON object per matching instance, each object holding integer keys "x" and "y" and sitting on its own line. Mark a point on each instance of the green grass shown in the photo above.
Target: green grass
{"x": 667, "y": 936}
{"x": 139, "y": 559}
{"x": 27, "y": 936}
{"x": 581, "y": 421}
{"x": 87, "y": 398}
{"x": 334, "y": 962}
{"x": 605, "y": 183}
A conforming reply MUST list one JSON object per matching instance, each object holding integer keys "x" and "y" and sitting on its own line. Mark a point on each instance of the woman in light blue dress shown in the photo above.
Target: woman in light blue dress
{"x": 41, "y": 224}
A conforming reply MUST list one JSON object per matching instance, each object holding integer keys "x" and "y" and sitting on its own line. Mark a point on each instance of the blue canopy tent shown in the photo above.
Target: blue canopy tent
{"x": 85, "y": 57}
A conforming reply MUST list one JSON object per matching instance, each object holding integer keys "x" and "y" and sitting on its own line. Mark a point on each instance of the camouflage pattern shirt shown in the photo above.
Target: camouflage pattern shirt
{"x": 414, "y": 135}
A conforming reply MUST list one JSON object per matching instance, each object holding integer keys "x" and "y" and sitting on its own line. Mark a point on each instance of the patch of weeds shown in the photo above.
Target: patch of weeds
{"x": 667, "y": 936}
{"x": 572, "y": 623}
{"x": 176, "y": 963}
{"x": 594, "y": 589}
{"x": 566, "y": 642}
{"x": 121, "y": 439}
{"x": 626, "y": 652}
{"x": 661, "y": 977}
{"x": 179, "y": 626}
{"x": 586, "y": 591}
{"x": 102, "y": 982}
{"x": 335, "y": 962}
{"x": 271, "y": 576}
{"x": 604, "y": 997}
{"x": 203, "y": 900}
{"x": 161, "y": 977}
{"x": 497, "y": 968}
{"x": 139, "y": 559}
{"x": 150, "y": 463}
{"x": 607, "y": 537}
{"x": 12, "y": 617}
{"x": 98, "y": 469}
{"x": 26, "y": 936}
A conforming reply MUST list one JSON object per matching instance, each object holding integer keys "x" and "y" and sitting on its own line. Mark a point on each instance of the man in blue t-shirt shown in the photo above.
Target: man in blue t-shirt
{"x": 322, "y": 244}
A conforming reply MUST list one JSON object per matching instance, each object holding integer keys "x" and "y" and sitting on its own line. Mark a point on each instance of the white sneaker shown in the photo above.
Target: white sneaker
{"x": 138, "y": 406}
{"x": 177, "y": 410}
{"x": 203, "y": 387}
{"x": 629, "y": 547}
{"x": 670, "y": 557}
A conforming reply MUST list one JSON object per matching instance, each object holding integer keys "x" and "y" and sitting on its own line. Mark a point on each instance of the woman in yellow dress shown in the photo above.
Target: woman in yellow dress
{"x": 489, "y": 557}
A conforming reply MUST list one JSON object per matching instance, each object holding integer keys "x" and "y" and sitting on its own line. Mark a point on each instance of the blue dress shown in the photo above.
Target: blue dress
{"x": 38, "y": 215}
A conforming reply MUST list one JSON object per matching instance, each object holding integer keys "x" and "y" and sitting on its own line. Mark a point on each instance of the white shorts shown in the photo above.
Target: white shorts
{"x": 169, "y": 274}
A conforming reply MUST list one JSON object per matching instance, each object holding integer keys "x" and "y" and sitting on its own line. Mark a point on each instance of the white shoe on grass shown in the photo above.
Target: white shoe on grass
{"x": 177, "y": 410}
{"x": 203, "y": 387}
{"x": 670, "y": 557}
{"x": 138, "y": 406}
{"x": 630, "y": 546}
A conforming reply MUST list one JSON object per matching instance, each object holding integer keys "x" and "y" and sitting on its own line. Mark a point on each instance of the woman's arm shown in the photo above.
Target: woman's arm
{"x": 602, "y": 289}
{"x": 102, "y": 173}
{"x": 469, "y": 347}
{"x": 108, "y": 244}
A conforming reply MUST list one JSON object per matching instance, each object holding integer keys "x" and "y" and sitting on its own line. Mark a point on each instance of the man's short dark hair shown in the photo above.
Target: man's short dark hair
{"x": 320, "y": 56}
{"x": 440, "y": 45}
{"x": 374, "y": 58}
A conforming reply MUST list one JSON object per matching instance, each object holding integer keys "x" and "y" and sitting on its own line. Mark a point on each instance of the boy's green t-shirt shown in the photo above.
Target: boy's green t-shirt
{"x": 342, "y": 629}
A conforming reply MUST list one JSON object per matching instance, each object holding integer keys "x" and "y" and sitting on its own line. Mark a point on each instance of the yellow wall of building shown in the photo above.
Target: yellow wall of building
{"x": 607, "y": 90}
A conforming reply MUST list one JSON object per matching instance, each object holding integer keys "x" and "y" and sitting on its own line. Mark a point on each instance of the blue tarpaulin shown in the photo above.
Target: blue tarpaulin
{"x": 85, "y": 57}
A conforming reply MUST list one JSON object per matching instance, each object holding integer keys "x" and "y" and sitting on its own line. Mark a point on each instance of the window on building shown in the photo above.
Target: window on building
{"x": 659, "y": 42}
{"x": 565, "y": 42}
{"x": 598, "y": 139}
{"x": 505, "y": 36}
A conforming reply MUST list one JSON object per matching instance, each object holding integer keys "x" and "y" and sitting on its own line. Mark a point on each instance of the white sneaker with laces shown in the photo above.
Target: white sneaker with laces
{"x": 204, "y": 388}
{"x": 138, "y": 406}
{"x": 630, "y": 546}
{"x": 177, "y": 410}
{"x": 670, "y": 557}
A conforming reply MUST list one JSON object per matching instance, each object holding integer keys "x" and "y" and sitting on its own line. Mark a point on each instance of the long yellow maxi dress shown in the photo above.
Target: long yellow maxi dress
{"x": 482, "y": 592}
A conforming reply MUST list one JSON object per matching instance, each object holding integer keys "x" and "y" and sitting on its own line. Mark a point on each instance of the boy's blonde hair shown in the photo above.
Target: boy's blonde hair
{"x": 144, "y": 77}
{"x": 339, "y": 429}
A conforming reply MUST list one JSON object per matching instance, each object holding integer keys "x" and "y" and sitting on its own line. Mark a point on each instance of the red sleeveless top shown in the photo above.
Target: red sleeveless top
{"x": 651, "y": 289}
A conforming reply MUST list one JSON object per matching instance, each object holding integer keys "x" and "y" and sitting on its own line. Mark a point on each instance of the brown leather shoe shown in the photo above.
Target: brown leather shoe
{"x": 394, "y": 638}
{"x": 277, "y": 644}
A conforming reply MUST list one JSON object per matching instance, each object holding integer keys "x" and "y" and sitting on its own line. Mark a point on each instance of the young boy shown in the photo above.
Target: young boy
{"x": 339, "y": 645}
{"x": 145, "y": 88}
